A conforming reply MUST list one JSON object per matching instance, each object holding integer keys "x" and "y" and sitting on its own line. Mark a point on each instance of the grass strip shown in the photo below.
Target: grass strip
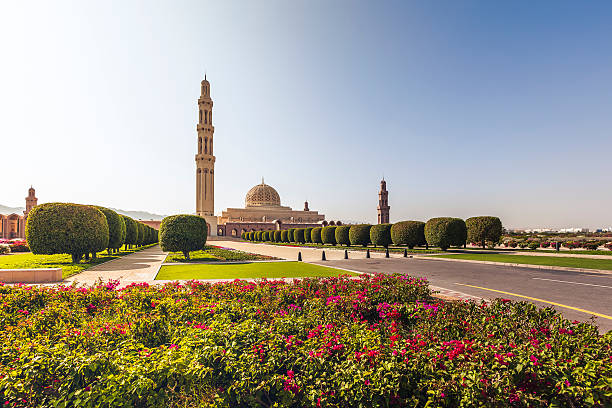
{"x": 28, "y": 260}
{"x": 272, "y": 270}
{"x": 589, "y": 263}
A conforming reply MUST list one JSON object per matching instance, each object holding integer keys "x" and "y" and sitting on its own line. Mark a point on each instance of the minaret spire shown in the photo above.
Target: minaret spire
{"x": 383, "y": 203}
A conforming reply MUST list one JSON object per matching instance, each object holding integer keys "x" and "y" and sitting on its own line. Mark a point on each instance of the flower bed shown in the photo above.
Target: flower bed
{"x": 213, "y": 253}
{"x": 339, "y": 342}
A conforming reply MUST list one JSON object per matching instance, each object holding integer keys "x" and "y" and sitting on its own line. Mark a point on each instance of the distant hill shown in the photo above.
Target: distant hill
{"x": 137, "y": 215}
{"x": 11, "y": 210}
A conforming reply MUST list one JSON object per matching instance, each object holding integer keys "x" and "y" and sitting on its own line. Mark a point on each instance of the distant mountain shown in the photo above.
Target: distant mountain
{"x": 137, "y": 215}
{"x": 11, "y": 210}
{"x": 140, "y": 215}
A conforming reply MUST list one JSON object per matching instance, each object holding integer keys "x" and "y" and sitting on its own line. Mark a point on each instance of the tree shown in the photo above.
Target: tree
{"x": 484, "y": 228}
{"x": 183, "y": 233}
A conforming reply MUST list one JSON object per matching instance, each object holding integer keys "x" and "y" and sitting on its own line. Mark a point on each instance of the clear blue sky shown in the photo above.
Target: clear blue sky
{"x": 466, "y": 107}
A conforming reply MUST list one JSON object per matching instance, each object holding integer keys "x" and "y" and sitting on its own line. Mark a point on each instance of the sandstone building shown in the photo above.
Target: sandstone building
{"x": 263, "y": 209}
{"x": 12, "y": 226}
{"x": 383, "y": 203}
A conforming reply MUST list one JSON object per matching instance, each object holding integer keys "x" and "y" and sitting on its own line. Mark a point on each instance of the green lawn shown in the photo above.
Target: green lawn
{"x": 27, "y": 260}
{"x": 214, "y": 254}
{"x": 248, "y": 270}
{"x": 589, "y": 263}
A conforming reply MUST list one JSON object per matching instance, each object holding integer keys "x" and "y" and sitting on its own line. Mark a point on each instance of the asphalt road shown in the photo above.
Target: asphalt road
{"x": 590, "y": 292}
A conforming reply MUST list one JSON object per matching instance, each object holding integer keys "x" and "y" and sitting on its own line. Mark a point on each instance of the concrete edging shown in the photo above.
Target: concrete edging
{"x": 549, "y": 267}
{"x": 32, "y": 275}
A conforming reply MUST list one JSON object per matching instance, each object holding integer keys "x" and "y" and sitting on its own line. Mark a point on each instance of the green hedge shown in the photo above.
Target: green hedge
{"x": 342, "y": 235}
{"x": 65, "y": 228}
{"x": 380, "y": 235}
{"x": 360, "y": 234}
{"x": 141, "y": 233}
{"x": 299, "y": 235}
{"x": 284, "y": 236}
{"x": 308, "y": 234}
{"x": 444, "y": 232}
{"x": 484, "y": 228}
{"x": 131, "y": 230}
{"x": 315, "y": 235}
{"x": 410, "y": 233}
{"x": 328, "y": 235}
{"x": 183, "y": 233}
{"x": 277, "y": 236}
{"x": 290, "y": 234}
{"x": 116, "y": 228}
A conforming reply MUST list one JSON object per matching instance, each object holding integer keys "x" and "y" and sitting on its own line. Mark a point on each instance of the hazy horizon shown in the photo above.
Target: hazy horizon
{"x": 466, "y": 108}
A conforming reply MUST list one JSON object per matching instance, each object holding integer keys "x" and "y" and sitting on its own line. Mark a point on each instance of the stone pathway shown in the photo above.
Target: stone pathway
{"x": 291, "y": 253}
{"x": 141, "y": 266}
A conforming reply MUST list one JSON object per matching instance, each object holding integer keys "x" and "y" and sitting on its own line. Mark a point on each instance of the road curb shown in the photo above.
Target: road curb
{"x": 548, "y": 267}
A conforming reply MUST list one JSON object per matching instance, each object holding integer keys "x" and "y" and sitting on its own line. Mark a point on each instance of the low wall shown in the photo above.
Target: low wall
{"x": 46, "y": 275}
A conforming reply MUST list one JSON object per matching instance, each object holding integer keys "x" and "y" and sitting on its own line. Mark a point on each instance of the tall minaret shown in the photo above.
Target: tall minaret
{"x": 383, "y": 203}
{"x": 30, "y": 201}
{"x": 205, "y": 161}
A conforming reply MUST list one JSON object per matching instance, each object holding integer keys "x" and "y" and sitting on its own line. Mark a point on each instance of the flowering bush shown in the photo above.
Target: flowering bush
{"x": 338, "y": 342}
{"x": 19, "y": 246}
{"x": 5, "y": 249}
{"x": 609, "y": 246}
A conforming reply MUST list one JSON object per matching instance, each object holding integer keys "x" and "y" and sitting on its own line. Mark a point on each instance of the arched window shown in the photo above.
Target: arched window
{"x": 205, "y": 116}
{"x": 210, "y": 118}
{"x": 200, "y": 115}
{"x": 206, "y": 145}
{"x": 199, "y": 145}
{"x": 234, "y": 232}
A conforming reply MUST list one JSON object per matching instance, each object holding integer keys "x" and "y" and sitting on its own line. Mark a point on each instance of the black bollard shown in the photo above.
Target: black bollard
{"x": 368, "y": 253}
{"x": 299, "y": 256}
{"x": 345, "y": 254}
{"x": 323, "y": 256}
{"x": 387, "y": 253}
{"x": 405, "y": 253}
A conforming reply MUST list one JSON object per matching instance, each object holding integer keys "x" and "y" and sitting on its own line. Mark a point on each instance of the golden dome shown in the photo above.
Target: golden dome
{"x": 262, "y": 195}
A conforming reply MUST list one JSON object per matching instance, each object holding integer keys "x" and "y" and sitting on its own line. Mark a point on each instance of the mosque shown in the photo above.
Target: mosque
{"x": 12, "y": 226}
{"x": 263, "y": 210}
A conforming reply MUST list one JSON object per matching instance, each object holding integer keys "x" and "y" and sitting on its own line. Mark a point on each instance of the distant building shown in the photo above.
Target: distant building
{"x": 12, "y": 226}
{"x": 383, "y": 203}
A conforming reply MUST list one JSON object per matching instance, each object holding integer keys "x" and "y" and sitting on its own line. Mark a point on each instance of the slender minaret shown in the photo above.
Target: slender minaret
{"x": 383, "y": 203}
{"x": 205, "y": 160}
{"x": 30, "y": 201}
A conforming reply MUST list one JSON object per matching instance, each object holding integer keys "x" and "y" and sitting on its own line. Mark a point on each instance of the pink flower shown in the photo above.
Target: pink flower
{"x": 367, "y": 382}
{"x": 172, "y": 346}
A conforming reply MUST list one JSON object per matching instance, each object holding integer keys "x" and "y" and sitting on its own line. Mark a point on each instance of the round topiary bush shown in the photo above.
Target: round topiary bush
{"x": 290, "y": 234}
{"x": 360, "y": 234}
{"x": 116, "y": 228}
{"x": 277, "y": 236}
{"x": 131, "y": 230}
{"x": 307, "y": 234}
{"x": 342, "y": 235}
{"x": 315, "y": 235}
{"x": 380, "y": 235}
{"x": 284, "y": 236}
{"x": 265, "y": 236}
{"x": 251, "y": 235}
{"x": 183, "y": 233}
{"x": 484, "y": 228}
{"x": 328, "y": 235}
{"x": 298, "y": 234}
{"x": 141, "y": 233}
{"x": 410, "y": 233}
{"x": 444, "y": 232}
{"x": 64, "y": 228}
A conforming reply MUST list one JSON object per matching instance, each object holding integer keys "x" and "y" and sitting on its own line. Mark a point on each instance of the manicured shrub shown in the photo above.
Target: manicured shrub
{"x": 299, "y": 235}
{"x": 284, "y": 236}
{"x": 264, "y": 236}
{"x": 259, "y": 236}
{"x": 183, "y": 233}
{"x": 5, "y": 249}
{"x": 131, "y": 230}
{"x": 277, "y": 236}
{"x": 141, "y": 233}
{"x": 533, "y": 245}
{"x": 328, "y": 235}
{"x": 444, "y": 232}
{"x": 251, "y": 235}
{"x": 307, "y": 234}
{"x": 359, "y": 234}
{"x": 290, "y": 234}
{"x": 315, "y": 235}
{"x": 342, "y": 235}
{"x": 484, "y": 228}
{"x": 116, "y": 228}
{"x": 409, "y": 233}
{"x": 64, "y": 228}
{"x": 380, "y": 235}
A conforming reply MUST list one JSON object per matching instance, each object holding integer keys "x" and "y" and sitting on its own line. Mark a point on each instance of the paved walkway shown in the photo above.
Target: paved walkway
{"x": 291, "y": 253}
{"x": 141, "y": 266}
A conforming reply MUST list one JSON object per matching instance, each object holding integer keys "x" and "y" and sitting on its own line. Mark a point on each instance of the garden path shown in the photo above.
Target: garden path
{"x": 291, "y": 253}
{"x": 141, "y": 266}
